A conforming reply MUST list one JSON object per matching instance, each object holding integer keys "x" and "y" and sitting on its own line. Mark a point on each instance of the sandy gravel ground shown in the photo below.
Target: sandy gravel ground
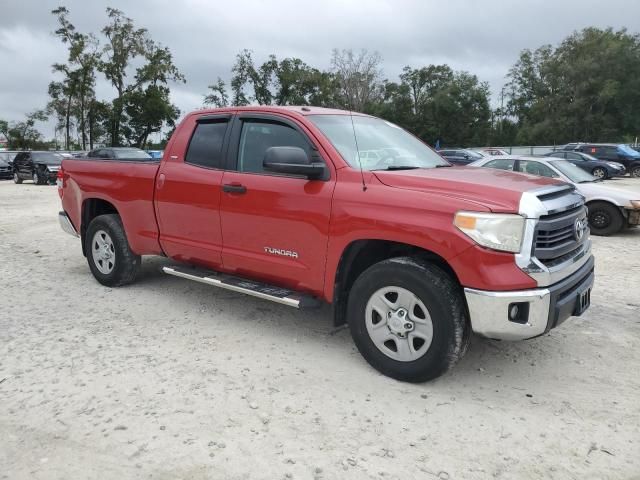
{"x": 169, "y": 379}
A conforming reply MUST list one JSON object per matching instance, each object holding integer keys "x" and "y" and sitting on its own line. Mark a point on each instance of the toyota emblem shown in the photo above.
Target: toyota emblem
{"x": 580, "y": 228}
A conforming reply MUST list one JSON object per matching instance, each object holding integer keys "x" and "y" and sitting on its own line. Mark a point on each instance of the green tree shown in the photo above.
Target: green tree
{"x": 23, "y": 135}
{"x": 77, "y": 86}
{"x": 148, "y": 111}
{"x": 286, "y": 82}
{"x": 434, "y": 102}
{"x": 218, "y": 97}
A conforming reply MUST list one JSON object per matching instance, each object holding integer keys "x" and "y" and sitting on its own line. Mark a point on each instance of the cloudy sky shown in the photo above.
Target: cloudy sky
{"x": 483, "y": 36}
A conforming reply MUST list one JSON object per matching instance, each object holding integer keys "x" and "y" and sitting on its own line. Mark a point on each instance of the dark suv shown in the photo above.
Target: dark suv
{"x": 6, "y": 159}
{"x": 612, "y": 152}
{"x": 41, "y": 167}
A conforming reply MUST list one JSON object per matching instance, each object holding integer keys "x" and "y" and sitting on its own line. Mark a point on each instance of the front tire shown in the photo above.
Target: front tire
{"x": 600, "y": 172}
{"x": 108, "y": 253}
{"x": 37, "y": 180}
{"x": 604, "y": 218}
{"x": 635, "y": 171}
{"x": 16, "y": 178}
{"x": 408, "y": 320}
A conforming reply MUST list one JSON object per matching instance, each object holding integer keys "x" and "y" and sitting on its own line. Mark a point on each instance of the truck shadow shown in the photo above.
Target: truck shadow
{"x": 502, "y": 361}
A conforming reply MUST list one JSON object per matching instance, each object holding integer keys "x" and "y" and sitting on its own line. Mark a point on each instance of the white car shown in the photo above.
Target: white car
{"x": 610, "y": 209}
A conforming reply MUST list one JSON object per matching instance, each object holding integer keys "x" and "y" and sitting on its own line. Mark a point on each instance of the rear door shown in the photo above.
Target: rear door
{"x": 188, "y": 191}
{"x": 275, "y": 226}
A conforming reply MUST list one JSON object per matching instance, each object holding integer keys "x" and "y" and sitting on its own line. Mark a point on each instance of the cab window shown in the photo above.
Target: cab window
{"x": 259, "y": 135}
{"x": 205, "y": 147}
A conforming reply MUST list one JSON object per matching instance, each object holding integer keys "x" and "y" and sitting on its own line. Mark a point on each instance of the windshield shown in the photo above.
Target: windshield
{"x": 47, "y": 158}
{"x": 382, "y": 145}
{"x": 575, "y": 174}
{"x": 626, "y": 149}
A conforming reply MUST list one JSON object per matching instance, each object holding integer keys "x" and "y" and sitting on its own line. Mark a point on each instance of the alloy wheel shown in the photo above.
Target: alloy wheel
{"x": 399, "y": 324}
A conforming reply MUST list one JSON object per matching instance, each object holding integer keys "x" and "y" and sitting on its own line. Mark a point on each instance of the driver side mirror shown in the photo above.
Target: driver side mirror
{"x": 293, "y": 161}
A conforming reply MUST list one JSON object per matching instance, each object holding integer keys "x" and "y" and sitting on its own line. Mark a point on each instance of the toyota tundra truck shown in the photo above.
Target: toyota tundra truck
{"x": 305, "y": 205}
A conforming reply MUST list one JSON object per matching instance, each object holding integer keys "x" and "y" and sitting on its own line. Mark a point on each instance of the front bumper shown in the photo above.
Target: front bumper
{"x": 540, "y": 310}
{"x": 633, "y": 217}
{"x": 66, "y": 225}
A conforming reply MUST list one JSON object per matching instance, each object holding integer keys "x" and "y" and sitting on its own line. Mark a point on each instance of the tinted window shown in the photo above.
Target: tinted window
{"x": 205, "y": 148}
{"x": 501, "y": 164}
{"x": 560, "y": 154}
{"x": 574, "y": 156}
{"x": 258, "y": 136}
{"x": 47, "y": 158}
{"x": 536, "y": 168}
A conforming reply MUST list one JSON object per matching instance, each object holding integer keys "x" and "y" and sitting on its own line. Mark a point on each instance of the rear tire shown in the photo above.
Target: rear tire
{"x": 604, "y": 218}
{"x": 16, "y": 178}
{"x": 436, "y": 331}
{"x": 108, "y": 253}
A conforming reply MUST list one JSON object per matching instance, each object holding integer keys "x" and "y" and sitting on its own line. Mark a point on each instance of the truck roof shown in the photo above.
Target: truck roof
{"x": 299, "y": 109}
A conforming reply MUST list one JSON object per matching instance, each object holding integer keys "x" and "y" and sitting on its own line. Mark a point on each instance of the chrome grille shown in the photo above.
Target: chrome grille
{"x": 555, "y": 236}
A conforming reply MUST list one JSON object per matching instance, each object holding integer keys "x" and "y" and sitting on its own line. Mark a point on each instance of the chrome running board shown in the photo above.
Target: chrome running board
{"x": 248, "y": 287}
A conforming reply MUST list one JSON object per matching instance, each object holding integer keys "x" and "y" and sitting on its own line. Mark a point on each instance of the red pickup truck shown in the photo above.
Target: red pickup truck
{"x": 302, "y": 205}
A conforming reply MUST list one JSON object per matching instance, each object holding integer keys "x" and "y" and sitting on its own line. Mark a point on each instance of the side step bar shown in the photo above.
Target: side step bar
{"x": 249, "y": 287}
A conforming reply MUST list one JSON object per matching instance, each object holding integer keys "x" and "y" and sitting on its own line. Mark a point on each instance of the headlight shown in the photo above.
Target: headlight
{"x": 498, "y": 231}
{"x": 635, "y": 203}
{"x": 614, "y": 165}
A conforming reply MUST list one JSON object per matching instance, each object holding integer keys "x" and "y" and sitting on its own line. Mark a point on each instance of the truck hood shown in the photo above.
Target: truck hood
{"x": 498, "y": 190}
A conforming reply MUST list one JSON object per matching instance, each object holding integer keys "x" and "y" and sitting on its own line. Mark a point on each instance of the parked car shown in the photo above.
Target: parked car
{"x": 119, "y": 153}
{"x": 41, "y": 167}
{"x": 611, "y": 152}
{"x": 597, "y": 168}
{"x": 494, "y": 151}
{"x": 8, "y": 156}
{"x": 6, "y": 170}
{"x": 460, "y": 156}
{"x": 155, "y": 153}
{"x": 273, "y": 202}
{"x": 610, "y": 209}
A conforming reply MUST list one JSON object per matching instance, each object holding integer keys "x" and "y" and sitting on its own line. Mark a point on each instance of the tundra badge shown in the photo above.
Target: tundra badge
{"x": 283, "y": 253}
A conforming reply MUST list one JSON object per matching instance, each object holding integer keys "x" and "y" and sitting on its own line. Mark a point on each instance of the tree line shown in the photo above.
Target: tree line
{"x": 583, "y": 89}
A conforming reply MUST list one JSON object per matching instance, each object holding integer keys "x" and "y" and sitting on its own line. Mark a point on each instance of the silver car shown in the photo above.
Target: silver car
{"x": 610, "y": 209}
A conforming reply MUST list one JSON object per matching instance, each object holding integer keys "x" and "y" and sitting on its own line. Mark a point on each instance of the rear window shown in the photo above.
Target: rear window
{"x": 205, "y": 148}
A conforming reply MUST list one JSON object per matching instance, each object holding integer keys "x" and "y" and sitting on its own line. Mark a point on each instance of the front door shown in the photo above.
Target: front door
{"x": 275, "y": 227}
{"x": 188, "y": 191}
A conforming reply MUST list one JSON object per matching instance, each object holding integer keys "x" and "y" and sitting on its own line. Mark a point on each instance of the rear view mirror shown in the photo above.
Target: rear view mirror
{"x": 293, "y": 161}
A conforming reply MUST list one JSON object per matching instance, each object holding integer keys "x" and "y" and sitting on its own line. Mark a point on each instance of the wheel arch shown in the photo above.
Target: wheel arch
{"x": 91, "y": 208}
{"x": 361, "y": 254}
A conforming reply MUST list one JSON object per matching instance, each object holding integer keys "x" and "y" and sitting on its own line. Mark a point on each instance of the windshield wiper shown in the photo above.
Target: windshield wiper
{"x": 443, "y": 166}
{"x": 396, "y": 167}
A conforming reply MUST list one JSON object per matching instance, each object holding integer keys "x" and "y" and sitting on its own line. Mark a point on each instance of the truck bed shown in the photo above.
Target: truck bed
{"x": 126, "y": 184}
